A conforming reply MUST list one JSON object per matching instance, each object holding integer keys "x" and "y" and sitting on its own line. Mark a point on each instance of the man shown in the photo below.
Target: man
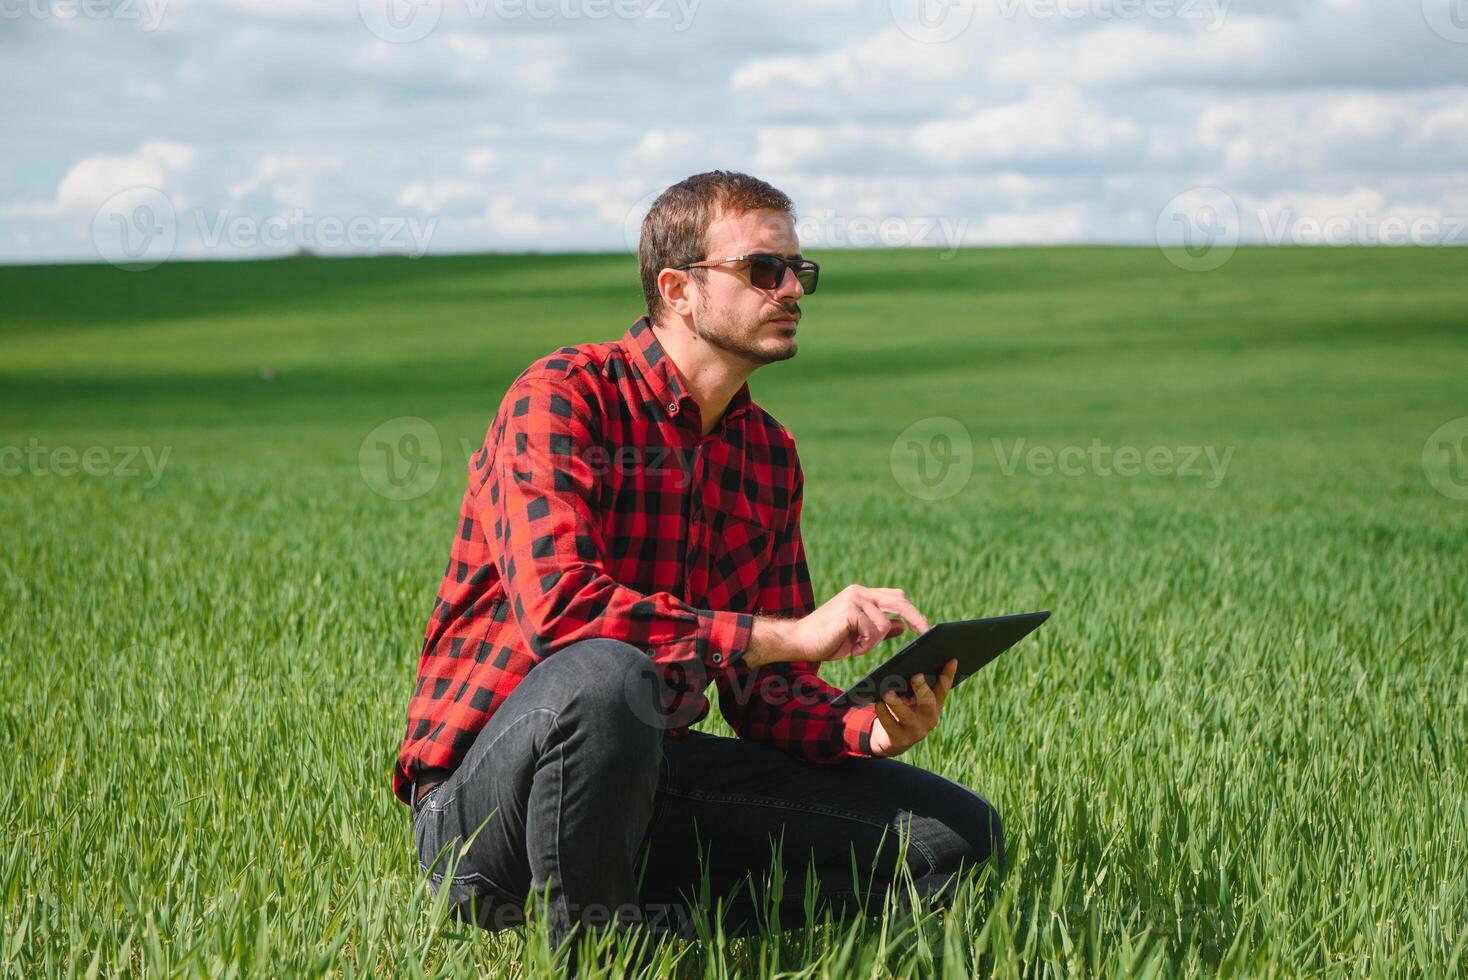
{"x": 631, "y": 534}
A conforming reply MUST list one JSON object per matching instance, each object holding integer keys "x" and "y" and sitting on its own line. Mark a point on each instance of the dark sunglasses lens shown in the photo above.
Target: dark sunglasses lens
{"x": 766, "y": 271}
{"x": 807, "y": 273}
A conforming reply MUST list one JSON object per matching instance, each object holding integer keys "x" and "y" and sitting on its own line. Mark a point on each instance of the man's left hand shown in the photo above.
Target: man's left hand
{"x": 902, "y": 722}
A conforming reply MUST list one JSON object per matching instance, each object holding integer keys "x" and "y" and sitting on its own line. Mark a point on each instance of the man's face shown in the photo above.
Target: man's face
{"x": 729, "y": 312}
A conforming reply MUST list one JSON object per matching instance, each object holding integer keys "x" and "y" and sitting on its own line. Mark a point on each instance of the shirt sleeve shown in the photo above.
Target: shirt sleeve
{"x": 787, "y": 704}
{"x": 551, "y": 555}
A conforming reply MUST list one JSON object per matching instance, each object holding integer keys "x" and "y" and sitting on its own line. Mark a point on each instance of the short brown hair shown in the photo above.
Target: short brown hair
{"x": 675, "y": 230}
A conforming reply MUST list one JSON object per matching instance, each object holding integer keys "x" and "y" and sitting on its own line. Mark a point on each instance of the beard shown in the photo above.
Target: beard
{"x": 742, "y": 337}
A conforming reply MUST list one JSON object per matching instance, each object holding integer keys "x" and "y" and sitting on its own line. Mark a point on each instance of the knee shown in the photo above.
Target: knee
{"x": 608, "y": 691}
{"x": 981, "y": 831}
{"x": 974, "y": 832}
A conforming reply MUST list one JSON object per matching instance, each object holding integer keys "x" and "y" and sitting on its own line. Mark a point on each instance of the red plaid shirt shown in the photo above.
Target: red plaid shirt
{"x": 597, "y": 508}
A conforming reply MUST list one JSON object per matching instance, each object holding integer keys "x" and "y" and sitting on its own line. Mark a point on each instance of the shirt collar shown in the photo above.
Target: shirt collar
{"x": 660, "y": 374}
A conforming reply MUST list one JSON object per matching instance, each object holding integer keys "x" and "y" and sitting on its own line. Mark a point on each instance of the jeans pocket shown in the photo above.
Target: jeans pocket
{"x": 427, "y": 834}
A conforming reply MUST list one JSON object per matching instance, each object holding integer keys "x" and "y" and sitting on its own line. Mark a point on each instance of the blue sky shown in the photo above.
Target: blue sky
{"x": 255, "y": 128}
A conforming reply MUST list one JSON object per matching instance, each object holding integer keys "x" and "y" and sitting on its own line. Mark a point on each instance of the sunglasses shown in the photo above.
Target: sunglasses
{"x": 767, "y": 270}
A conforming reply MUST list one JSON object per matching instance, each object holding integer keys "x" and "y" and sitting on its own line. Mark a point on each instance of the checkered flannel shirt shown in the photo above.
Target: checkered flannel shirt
{"x": 597, "y": 508}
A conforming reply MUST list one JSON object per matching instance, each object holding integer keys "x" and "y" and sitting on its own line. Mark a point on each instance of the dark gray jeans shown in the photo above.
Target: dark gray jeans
{"x": 574, "y": 791}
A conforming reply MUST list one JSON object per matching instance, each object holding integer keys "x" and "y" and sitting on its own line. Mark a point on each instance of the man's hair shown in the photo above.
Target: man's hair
{"x": 676, "y": 227}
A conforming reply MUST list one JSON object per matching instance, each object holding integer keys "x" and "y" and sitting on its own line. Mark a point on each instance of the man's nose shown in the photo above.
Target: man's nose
{"x": 789, "y": 287}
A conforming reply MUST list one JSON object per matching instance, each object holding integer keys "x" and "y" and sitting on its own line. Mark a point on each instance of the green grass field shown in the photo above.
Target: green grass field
{"x": 1237, "y": 747}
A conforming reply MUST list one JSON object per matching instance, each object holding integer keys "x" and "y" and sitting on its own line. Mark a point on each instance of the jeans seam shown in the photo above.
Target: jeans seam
{"x": 440, "y": 807}
{"x": 828, "y": 811}
{"x": 559, "y": 904}
{"x": 430, "y": 803}
{"x": 468, "y": 877}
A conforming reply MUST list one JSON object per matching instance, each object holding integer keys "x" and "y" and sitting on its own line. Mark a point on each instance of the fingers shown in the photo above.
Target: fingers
{"x": 867, "y": 613}
{"x": 923, "y": 695}
{"x": 899, "y": 709}
{"x": 890, "y": 722}
{"x": 872, "y": 625}
{"x": 945, "y": 681}
{"x": 895, "y": 601}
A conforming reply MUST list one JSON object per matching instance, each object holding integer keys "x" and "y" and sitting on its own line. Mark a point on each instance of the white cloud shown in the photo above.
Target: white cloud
{"x": 1050, "y": 125}
{"x": 1349, "y": 132}
{"x": 432, "y": 195}
{"x": 91, "y": 181}
{"x": 289, "y": 179}
{"x": 1064, "y": 224}
{"x": 480, "y": 160}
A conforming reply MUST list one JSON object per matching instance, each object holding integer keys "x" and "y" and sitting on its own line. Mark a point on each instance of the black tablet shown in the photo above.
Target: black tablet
{"x": 972, "y": 642}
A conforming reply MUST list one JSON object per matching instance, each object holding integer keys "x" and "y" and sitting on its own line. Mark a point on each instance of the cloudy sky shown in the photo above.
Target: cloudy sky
{"x": 226, "y": 128}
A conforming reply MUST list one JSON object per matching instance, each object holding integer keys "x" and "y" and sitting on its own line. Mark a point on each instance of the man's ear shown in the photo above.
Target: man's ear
{"x": 676, "y": 287}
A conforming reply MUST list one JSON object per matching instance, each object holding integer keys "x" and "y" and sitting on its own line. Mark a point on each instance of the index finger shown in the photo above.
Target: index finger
{"x": 893, "y": 601}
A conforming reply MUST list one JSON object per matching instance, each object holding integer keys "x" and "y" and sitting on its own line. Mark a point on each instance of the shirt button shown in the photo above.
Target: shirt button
{"x": 717, "y": 658}
{"x": 672, "y": 406}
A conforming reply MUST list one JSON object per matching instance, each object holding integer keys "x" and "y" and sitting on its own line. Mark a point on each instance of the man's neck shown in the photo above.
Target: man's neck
{"x": 711, "y": 375}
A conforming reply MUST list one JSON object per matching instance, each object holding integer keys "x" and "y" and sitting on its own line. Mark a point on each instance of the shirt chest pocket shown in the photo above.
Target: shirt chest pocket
{"x": 736, "y": 551}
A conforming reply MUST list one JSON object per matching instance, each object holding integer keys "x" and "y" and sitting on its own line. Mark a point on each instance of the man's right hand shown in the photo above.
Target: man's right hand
{"x": 850, "y": 623}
